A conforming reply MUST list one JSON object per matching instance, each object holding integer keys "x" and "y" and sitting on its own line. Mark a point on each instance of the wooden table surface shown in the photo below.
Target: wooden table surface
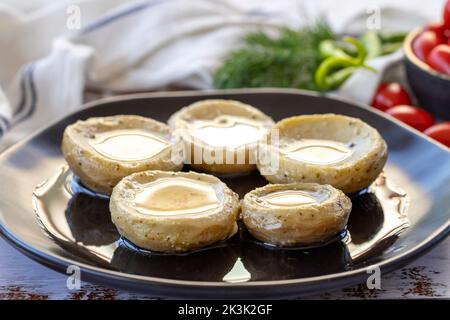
{"x": 22, "y": 278}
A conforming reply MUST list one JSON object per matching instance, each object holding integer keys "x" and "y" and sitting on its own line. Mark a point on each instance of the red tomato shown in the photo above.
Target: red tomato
{"x": 390, "y": 94}
{"x": 447, "y": 14}
{"x": 424, "y": 43}
{"x": 440, "y": 132}
{"x": 415, "y": 117}
{"x": 439, "y": 59}
{"x": 439, "y": 29}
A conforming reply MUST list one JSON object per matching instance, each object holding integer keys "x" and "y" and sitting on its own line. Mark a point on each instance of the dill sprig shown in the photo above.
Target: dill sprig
{"x": 287, "y": 60}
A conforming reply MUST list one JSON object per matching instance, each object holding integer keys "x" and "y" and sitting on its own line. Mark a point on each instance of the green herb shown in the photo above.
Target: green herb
{"x": 288, "y": 60}
{"x": 310, "y": 58}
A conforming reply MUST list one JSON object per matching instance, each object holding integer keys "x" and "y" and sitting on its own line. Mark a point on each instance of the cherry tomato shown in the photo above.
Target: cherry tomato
{"x": 424, "y": 43}
{"x": 417, "y": 118}
{"x": 440, "y": 132}
{"x": 447, "y": 14}
{"x": 390, "y": 94}
{"x": 439, "y": 59}
{"x": 439, "y": 29}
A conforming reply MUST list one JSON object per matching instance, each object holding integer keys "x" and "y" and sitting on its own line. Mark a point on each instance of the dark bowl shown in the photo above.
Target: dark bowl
{"x": 431, "y": 88}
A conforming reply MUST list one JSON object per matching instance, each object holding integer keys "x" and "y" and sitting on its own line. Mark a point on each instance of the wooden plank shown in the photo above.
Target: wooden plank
{"x": 22, "y": 278}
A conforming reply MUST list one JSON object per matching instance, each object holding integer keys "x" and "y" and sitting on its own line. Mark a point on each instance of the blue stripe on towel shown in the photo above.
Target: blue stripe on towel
{"x": 33, "y": 92}
{"x": 23, "y": 91}
{"x": 28, "y": 107}
{"x": 28, "y": 89}
{"x": 23, "y": 96}
{"x": 117, "y": 15}
{"x": 4, "y": 125}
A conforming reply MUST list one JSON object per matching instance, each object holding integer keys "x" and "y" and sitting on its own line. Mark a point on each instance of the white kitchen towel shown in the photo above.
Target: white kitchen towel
{"x": 143, "y": 45}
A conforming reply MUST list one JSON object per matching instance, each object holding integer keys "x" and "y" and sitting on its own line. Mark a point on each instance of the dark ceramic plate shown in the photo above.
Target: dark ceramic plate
{"x": 59, "y": 223}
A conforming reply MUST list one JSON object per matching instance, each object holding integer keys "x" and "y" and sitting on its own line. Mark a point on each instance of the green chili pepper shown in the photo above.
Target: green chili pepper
{"x": 330, "y": 48}
{"x": 334, "y": 70}
{"x": 392, "y": 37}
{"x": 382, "y": 43}
{"x": 373, "y": 44}
{"x": 391, "y": 47}
{"x": 324, "y": 73}
{"x": 361, "y": 52}
{"x": 336, "y": 79}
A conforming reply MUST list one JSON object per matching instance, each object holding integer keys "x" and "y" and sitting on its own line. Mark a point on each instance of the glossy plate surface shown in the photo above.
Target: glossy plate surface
{"x": 59, "y": 223}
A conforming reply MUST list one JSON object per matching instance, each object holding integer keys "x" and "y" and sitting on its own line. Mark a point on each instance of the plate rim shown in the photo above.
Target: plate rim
{"x": 58, "y": 263}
